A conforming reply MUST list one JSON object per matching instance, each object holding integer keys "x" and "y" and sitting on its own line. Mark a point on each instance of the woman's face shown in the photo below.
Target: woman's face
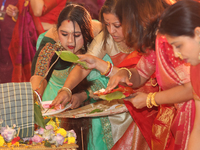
{"x": 68, "y": 36}
{"x": 113, "y": 26}
{"x": 186, "y": 47}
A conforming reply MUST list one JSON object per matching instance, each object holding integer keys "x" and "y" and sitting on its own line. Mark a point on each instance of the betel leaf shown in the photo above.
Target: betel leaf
{"x": 112, "y": 96}
{"x": 95, "y": 110}
{"x": 71, "y": 57}
{"x": 39, "y": 120}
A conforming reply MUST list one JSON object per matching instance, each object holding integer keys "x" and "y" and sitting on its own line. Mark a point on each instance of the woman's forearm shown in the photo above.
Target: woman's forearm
{"x": 38, "y": 83}
{"x": 75, "y": 77}
{"x": 177, "y": 94}
{"x": 37, "y": 7}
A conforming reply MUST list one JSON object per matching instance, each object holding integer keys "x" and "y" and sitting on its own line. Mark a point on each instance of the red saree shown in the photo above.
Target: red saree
{"x": 143, "y": 118}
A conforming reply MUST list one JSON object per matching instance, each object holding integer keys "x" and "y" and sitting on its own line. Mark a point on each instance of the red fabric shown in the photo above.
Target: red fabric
{"x": 51, "y": 10}
{"x": 195, "y": 78}
{"x": 143, "y": 117}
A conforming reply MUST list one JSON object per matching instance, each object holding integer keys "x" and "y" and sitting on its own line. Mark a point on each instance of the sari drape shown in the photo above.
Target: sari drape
{"x": 195, "y": 80}
{"x": 173, "y": 124}
{"x": 138, "y": 131}
{"x": 22, "y": 46}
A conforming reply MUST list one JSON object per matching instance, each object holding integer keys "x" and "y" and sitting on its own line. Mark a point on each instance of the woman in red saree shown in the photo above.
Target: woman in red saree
{"x": 23, "y": 44}
{"x": 185, "y": 40}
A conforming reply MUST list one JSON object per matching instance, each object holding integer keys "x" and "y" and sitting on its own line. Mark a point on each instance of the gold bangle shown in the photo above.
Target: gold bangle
{"x": 129, "y": 72}
{"x": 153, "y": 102}
{"x": 148, "y": 101}
{"x": 13, "y": 18}
{"x": 67, "y": 90}
{"x": 108, "y": 68}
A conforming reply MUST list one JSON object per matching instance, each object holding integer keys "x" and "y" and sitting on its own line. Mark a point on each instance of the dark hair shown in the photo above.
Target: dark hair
{"x": 181, "y": 19}
{"x": 136, "y": 16}
{"x": 77, "y": 13}
{"x": 108, "y": 7}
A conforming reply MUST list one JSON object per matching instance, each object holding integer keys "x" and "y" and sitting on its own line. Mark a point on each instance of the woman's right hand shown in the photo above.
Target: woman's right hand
{"x": 12, "y": 11}
{"x": 121, "y": 77}
{"x": 62, "y": 98}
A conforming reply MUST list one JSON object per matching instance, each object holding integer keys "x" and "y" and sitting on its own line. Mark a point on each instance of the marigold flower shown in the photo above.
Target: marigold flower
{"x": 1, "y": 140}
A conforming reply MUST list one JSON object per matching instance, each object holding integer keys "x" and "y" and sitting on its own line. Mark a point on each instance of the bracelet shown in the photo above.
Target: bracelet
{"x": 108, "y": 68}
{"x": 129, "y": 72}
{"x": 88, "y": 95}
{"x": 153, "y": 102}
{"x": 148, "y": 101}
{"x": 13, "y": 18}
{"x": 67, "y": 90}
{"x": 109, "y": 72}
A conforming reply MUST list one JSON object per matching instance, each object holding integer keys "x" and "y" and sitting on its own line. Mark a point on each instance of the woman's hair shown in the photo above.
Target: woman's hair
{"x": 181, "y": 19}
{"x": 77, "y": 13}
{"x": 108, "y": 7}
{"x": 135, "y": 17}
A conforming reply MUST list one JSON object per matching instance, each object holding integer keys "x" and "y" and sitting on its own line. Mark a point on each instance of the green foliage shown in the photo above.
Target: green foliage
{"x": 112, "y": 96}
{"x": 71, "y": 57}
{"x": 38, "y": 118}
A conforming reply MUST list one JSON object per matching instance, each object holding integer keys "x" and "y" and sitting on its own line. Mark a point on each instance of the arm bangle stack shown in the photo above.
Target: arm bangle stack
{"x": 67, "y": 90}
{"x": 148, "y": 101}
{"x": 108, "y": 68}
{"x": 129, "y": 72}
{"x": 153, "y": 102}
{"x": 109, "y": 72}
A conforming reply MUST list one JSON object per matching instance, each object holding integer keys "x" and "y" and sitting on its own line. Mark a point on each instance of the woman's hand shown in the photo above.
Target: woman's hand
{"x": 138, "y": 99}
{"x": 12, "y": 11}
{"x": 77, "y": 100}
{"x": 121, "y": 77}
{"x": 89, "y": 59}
{"x": 62, "y": 98}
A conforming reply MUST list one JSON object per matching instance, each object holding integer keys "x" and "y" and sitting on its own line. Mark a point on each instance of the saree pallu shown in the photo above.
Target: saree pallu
{"x": 22, "y": 47}
{"x": 174, "y": 123}
{"x": 137, "y": 135}
{"x": 195, "y": 80}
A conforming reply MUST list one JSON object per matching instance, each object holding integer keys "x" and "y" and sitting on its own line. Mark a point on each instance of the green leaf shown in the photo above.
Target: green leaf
{"x": 95, "y": 110}
{"x": 112, "y": 96}
{"x": 71, "y": 57}
{"x": 47, "y": 143}
{"x": 39, "y": 120}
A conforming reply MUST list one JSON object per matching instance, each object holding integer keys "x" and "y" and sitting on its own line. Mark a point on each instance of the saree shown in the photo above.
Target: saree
{"x": 136, "y": 136}
{"x": 173, "y": 123}
{"x": 195, "y": 80}
{"x": 22, "y": 47}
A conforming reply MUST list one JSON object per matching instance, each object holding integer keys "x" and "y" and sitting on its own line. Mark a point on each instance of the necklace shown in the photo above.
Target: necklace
{"x": 126, "y": 50}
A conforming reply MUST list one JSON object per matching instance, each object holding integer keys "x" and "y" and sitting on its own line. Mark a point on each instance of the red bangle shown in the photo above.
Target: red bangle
{"x": 110, "y": 70}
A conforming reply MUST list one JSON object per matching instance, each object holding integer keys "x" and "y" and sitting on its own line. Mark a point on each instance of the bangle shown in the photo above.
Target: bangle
{"x": 67, "y": 90}
{"x": 88, "y": 95}
{"x": 109, "y": 72}
{"x": 108, "y": 68}
{"x": 129, "y": 72}
{"x": 13, "y": 18}
{"x": 148, "y": 101}
{"x": 153, "y": 102}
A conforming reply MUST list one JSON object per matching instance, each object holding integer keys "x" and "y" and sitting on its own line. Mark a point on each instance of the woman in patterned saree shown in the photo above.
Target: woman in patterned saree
{"x": 174, "y": 122}
{"x": 185, "y": 40}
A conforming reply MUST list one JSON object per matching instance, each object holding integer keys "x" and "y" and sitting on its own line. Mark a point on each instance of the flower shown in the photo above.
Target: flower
{"x": 49, "y": 127}
{"x": 58, "y": 139}
{"x": 62, "y": 132}
{"x": 8, "y": 134}
{"x": 51, "y": 122}
{"x": 1, "y": 140}
{"x": 71, "y": 133}
{"x": 47, "y": 135}
{"x": 71, "y": 140}
{"x": 40, "y": 131}
{"x": 37, "y": 139}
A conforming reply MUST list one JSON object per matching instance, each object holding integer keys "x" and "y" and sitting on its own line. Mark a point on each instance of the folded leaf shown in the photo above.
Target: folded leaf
{"x": 112, "y": 96}
{"x": 39, "y": 120}
{"x": 71, "y": 57}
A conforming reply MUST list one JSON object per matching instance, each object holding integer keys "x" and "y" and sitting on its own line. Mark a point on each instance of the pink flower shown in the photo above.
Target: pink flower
{"x": 40, "y": 131}
{"x": 59, "y": 139}
{"x": 8, "y": 134}
{"x": 37, "y": 139}
{"x": 49, "y": 127}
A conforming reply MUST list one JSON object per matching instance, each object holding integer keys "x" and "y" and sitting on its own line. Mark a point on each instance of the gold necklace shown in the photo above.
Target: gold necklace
{"x": 126, "y": 50}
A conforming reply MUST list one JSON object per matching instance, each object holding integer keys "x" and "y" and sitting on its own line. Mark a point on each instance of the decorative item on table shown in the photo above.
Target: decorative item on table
{"x": 50, "y": 135}
{"x": 71, "y": 57}
{"x": 118, "y": 93}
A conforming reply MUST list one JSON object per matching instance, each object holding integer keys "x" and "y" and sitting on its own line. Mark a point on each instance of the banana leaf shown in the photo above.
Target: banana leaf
{"x": 71, "y": 57}
{"x": 112, "y": 96}
{"x": 38, "y": 118}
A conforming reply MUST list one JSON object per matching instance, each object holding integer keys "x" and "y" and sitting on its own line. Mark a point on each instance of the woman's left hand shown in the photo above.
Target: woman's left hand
{"x": 89, "y": 59}
{"x": 138, "y": 100}
{"x": 77, "y": 100}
